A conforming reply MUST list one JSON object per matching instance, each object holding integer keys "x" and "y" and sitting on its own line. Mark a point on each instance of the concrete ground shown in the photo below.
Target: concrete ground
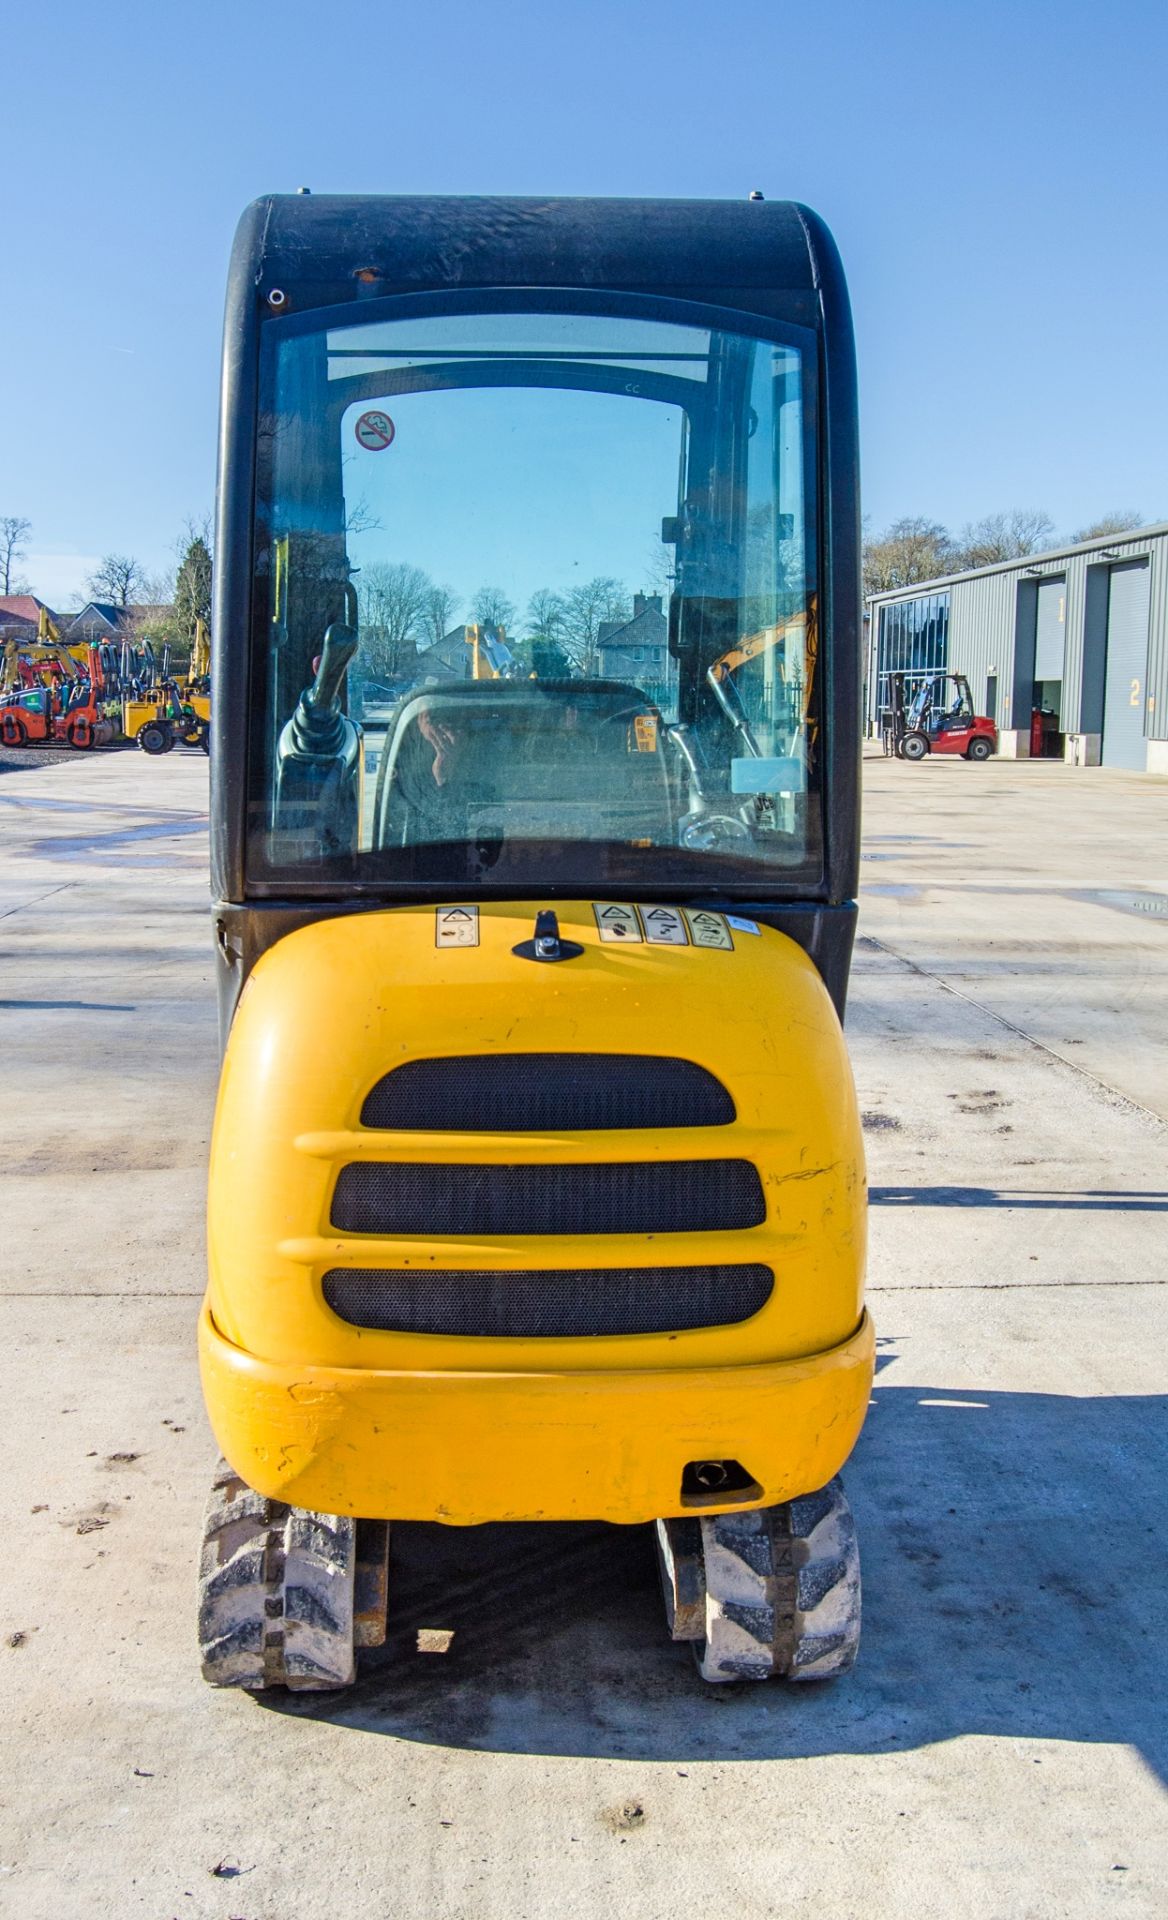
{"x": 1002, "y": 1747}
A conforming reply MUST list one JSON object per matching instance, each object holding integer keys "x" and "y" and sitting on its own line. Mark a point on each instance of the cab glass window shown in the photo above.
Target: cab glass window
{"x": 535, "y": 601}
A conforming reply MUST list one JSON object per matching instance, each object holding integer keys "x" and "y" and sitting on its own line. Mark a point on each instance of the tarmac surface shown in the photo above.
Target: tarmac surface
{"x": 1000, "y": 1751}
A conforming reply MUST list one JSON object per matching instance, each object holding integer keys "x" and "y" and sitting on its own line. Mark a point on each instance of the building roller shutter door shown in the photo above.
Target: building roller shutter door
{"x": 1127, "y": 668}
{"x": 1050, "y": 635}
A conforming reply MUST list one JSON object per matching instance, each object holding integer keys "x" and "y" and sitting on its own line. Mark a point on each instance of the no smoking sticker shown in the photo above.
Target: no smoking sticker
{"x": 456, "y": 927}
{"x": 374, "y": 432}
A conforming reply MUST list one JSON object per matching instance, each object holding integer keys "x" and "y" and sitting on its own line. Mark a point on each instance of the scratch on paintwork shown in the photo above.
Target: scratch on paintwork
{"x": 807, "y": 1173}
{"x": 305, "y": 1394}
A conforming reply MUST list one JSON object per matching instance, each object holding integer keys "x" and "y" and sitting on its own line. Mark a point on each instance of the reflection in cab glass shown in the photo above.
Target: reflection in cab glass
{"x": 536, "y": 586}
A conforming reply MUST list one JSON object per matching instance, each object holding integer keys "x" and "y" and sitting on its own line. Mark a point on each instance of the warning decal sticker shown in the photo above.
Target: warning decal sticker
{"x": 664, "y": 927}
{"x": 456, "y": 927}
{"x": 374, "y": 431}
{"x": 645, "y": 732}
{"x": 617, "y": 923}
{"x": 708, "y": 929}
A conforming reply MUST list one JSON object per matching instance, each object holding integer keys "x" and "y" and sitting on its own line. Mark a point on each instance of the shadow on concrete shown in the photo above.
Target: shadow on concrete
{"x": 1013, "y": 1544}
{"x": 1089, "y": 1200}
{"x": 82, "y": 1006}
{"x": 96, "y": 846}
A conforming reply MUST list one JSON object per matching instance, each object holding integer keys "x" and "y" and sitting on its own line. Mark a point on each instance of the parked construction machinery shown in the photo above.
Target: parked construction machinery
{"x": 491, "y": 658}
{"x": 195, "y": 686}
{"x": 537, "y": 1183}
{"x": 33, "y": 663}
{"x": 50, "y": 691}
{"x": 160, "y": 709}
{"x": 54, "y": 703}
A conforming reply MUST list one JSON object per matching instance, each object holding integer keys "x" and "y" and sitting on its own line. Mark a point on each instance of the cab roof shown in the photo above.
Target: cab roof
{"x": 321, "y": 250}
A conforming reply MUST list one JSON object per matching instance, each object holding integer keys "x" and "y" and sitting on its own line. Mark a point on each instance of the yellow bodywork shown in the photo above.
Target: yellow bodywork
{"x": 136, "y": 714}
{"x": 315, "y": 1411}
{"x": 158, "y": 705}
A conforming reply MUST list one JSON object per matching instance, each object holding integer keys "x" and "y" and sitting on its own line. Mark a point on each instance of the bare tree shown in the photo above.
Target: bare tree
{"x": 909, "y": 551}
{"x": 152, "y": 618}
{"x": 914, "y": 550}
{"x": 545, "y": 614}
{"x": 1124, "y": 520}
{"x": 117, "y": 579}
{"x": 14, "y": 531}
{"x": 362, "y": 519}
{"x": 660, "y": 569}
{"x": 492, "y": 608}
{"x": 194, "y": 527}
{"x": 441, "y": 610}
{"x": 392, "y": 599}
{"x": 156, "y": 589}
{"x": 1004, "y": 536}
{"x": 586, "y": 608}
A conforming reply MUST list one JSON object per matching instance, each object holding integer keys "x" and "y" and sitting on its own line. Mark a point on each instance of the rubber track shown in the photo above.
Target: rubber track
{"x": 782, "y": 1590}
{"x": 275, "y": 1592}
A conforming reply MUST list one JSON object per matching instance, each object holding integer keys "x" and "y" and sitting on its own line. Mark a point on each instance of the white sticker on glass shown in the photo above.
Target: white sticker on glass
{"x": 780, "y": 775}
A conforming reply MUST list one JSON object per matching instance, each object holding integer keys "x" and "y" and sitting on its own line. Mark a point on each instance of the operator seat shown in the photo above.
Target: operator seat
{"x": 528, "y": 755}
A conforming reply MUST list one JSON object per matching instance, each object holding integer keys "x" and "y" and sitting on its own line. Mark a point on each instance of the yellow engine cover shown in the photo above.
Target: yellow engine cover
{"x": 136, "y": 714}
{"x": 310, "y": 1408}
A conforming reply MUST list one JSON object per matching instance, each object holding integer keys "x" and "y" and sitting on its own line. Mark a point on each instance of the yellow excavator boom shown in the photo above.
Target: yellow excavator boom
{"x": 200, "y": 665}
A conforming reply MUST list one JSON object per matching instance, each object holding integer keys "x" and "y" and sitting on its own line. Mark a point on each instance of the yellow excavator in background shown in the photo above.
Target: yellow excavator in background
{"x": 163, "y": 709}
{"x": 49, "y": 635}
{"x": 795, "y": 643}
{"x": 40, "y": 658}
{"x": 490, "y": 655}
{"x": 196, "y": 687}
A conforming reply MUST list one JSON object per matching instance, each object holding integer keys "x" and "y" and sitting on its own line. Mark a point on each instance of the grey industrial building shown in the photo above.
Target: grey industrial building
{"x": 1079, "y": 635}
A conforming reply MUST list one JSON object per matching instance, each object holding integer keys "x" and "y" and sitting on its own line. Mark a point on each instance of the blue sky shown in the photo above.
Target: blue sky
{"x": 996, "y": 176}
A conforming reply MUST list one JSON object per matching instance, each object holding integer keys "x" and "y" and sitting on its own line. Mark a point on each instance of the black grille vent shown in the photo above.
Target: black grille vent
{"x": 542, "y": 1092}
{"x": 551, "y": 1304}
{"x": 656, "y": 1196}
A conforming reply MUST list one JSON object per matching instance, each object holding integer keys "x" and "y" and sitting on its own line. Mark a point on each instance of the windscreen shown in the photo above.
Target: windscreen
{"x": 535, "y": 603}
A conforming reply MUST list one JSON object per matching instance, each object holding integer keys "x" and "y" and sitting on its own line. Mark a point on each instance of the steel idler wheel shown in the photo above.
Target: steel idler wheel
{"x": 766, "y": 1593}
{"x": 276, "y": 1592}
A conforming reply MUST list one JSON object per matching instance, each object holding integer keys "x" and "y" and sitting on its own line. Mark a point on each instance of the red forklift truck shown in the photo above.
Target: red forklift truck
{"x": 923, "y": 713}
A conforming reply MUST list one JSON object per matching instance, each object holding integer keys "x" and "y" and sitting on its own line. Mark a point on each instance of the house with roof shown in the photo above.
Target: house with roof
{"x": 103, "y": 620}
{"x": 636, "y": 649}
{"x": 20, "y": 616}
